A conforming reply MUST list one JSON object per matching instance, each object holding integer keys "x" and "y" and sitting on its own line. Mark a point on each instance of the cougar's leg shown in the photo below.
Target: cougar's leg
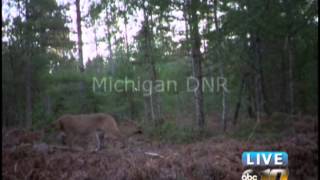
{"x": 98, "y": 142}
{"x": 61, "y": 137}
{"x": 99, "y": 137}
{"x": 69, "y": 140}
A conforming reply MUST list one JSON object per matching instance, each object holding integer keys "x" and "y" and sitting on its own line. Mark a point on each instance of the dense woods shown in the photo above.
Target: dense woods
{"x": 266, "y": 51}
{"x": 157, "y": 89}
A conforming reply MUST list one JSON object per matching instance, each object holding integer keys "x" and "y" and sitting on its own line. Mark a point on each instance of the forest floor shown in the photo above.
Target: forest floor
{"x": 25, "y": 157}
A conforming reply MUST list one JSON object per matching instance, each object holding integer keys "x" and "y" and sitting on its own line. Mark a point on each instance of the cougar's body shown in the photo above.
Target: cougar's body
{"x": 76, "y": 126}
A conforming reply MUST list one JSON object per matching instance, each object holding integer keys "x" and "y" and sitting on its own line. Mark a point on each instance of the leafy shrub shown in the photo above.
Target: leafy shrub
{"x": 169, "y": 132}
{"x": 273, "y": 128}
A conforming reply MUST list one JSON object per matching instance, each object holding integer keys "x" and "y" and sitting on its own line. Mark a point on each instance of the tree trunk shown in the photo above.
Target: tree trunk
{"x": 146, "y": 104}
{"x": 258, "y": 98}
{"x": 250, "y": 98}
{"x": 264, "y": 97}
{"x": 79, "y": 33}
{"x": 126, "y": 31}
{"x": 221, "y": 66}
{"x": 260, "y": 95}
{"x": 257, "y": 78}
{"x": 131, "y": 105}
{"x": 95, "y": 39}
{"x": 186, "y": 18}
{"x": 109, "y": 41}
{"x": 48, "y": 106}
{"x": 290, "y": 74}
{"x": 152, "y": 103}
{"x": 80, "y": 52}
{"x": 130, "y": 95}
{"x": 28, "y": 93}
{"x": 196, "y": 63}
{"x": 283, "y": 92}
{"x": 28, "y": 74}
{"x": 155, "y": 97}
{"x": 289, "y": 54}
{"x": 147, "y": 97}
{"x": 235, "y": 119}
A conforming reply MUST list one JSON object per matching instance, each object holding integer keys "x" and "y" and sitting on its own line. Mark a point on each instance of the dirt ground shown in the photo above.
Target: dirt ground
{"x": 24, "y": 156}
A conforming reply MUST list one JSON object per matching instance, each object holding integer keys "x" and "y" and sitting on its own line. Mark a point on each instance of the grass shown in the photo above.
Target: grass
{"x": 169, "y": 132}
{"x": 275, "y": 127}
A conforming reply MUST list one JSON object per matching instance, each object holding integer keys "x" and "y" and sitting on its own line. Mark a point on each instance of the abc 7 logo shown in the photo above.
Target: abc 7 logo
{"x": 250, "y": 175}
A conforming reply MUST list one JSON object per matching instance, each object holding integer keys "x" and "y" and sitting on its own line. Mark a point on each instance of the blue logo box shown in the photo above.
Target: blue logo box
{"x": 265, "y": 158}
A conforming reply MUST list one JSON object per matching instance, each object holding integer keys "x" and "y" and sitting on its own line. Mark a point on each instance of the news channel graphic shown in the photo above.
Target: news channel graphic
{"x": 265, "y": 165}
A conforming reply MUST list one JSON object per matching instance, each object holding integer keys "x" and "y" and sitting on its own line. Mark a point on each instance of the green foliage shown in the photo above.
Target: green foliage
{"x": 171, "y": 133}
{"x": 30, "y": 40}
{"x": 278, "y": 126}
{"x": 42, "y": 38}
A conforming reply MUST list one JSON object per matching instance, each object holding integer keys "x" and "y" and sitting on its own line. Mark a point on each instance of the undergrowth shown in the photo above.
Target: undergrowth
{"x": 273, "y": 128}
{"x": 170, "y": 132}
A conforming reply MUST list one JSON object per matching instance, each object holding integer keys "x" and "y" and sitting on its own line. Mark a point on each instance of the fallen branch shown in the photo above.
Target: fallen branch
{"x": 253, "y": 131}
{"x": 153, "y": 154}
{"x": 65, "y": 148}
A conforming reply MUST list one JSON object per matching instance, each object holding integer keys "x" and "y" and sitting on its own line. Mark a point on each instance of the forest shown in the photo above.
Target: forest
{"x": 191, "y": 84}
